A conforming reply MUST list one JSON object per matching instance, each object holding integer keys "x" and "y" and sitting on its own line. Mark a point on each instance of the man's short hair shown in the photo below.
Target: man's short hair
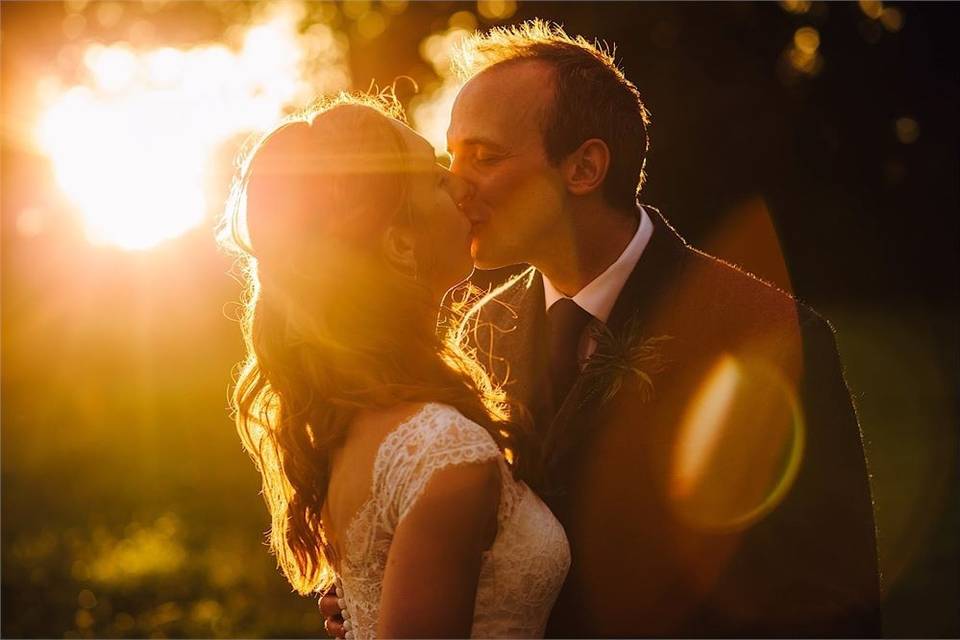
{"x": 592, "y": 97}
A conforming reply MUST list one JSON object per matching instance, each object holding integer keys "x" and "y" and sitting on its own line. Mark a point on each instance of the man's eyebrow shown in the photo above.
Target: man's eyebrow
{"x": 479, "y": 140}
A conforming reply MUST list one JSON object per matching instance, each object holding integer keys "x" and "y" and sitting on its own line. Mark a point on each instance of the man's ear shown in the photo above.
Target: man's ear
{"x": 585, "y": 169}
{"x": 399, "y": 249}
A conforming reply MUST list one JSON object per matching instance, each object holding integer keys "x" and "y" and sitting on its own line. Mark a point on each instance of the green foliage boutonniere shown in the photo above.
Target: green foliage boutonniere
{"x": 620, "y": 357}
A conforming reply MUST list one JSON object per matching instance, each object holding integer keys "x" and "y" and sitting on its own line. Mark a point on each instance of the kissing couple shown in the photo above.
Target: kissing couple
{"x": 631, "y": 438}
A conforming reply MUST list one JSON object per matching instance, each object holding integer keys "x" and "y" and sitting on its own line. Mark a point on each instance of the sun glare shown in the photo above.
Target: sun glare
{"x": 430, "y": 111}
{"x": 132, "y": 144}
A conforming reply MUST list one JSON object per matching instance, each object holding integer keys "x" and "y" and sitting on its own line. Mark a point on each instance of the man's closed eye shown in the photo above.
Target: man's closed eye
{"x": 487, "y": 158}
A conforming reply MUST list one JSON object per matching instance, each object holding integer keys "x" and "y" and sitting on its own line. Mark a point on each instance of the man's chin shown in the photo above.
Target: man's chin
{"x": 482, "y": 260}
{"x": 482, "y": 264}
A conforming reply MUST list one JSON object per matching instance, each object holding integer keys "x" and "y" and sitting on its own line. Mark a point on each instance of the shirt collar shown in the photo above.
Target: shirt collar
{"x": 599, "y": 296}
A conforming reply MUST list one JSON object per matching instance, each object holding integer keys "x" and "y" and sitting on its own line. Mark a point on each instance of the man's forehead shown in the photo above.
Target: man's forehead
{"x": 506, "y": 99}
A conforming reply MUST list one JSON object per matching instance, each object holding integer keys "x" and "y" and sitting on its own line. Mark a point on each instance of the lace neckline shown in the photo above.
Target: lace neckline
{"x": 378, "y": 461}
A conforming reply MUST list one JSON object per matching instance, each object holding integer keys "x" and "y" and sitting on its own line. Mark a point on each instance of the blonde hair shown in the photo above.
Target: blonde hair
{"x": 329, "y": 327}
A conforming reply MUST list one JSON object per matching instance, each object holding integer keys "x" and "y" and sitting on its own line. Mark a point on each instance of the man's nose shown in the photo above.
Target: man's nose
{"x": 460, "y": 168}
{"x": 461, "y": 189}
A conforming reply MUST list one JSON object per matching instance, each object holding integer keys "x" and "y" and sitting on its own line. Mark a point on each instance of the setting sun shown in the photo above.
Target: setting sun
{"x": 131, "y": 146}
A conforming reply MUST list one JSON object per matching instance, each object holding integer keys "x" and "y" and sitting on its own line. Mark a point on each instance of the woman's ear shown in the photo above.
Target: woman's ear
{"x": 585, "y": 169}
{"x": 399, "y": 248}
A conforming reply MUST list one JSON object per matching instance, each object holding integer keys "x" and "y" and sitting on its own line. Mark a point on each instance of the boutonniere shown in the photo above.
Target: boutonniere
{"x": 625, "y": 357}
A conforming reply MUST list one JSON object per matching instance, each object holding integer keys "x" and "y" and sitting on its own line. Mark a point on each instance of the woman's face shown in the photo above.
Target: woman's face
{"x": 441, "y": 230}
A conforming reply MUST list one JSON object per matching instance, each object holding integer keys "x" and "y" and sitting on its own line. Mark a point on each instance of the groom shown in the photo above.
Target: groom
{"x": 700, "y": 445}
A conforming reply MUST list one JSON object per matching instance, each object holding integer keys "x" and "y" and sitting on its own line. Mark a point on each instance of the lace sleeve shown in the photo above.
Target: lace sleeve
{"x": 438, "y": 437}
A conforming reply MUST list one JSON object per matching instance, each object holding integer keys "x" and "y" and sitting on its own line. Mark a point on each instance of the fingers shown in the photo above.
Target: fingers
{"x": 330, "y": 606}
{"x": 333, "y": 623}
{"x": 334, "y": 627}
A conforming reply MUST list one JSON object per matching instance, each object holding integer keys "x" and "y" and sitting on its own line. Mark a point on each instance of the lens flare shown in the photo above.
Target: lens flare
{"x": 739, "y": 448}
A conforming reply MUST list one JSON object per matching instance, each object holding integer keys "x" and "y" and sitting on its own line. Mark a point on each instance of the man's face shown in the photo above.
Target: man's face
{"x": 496, "y": 142}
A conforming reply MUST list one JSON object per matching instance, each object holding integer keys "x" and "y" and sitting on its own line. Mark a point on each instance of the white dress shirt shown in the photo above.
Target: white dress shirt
{"x": 600, "y": 294}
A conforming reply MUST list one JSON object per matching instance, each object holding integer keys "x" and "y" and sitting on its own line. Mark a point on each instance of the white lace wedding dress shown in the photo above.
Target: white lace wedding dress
{"x": 520, "y": 575}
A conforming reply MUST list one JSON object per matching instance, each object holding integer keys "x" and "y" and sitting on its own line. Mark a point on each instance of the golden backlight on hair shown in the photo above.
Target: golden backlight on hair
{"x": 483, "y": 50}
{"x": 331, "y": 327}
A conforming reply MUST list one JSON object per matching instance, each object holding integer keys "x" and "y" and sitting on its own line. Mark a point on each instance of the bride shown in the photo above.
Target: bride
{"x": 380, "y": 442}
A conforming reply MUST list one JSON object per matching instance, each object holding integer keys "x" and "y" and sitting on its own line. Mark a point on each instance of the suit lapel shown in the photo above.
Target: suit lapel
{"x": 516, "y": 322}
{"x": 647, "y": 282}
{"x": 529, "y": 369}
{"x": 652, "y": 276}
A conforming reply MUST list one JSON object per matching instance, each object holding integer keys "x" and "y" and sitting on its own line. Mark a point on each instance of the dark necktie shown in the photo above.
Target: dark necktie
{"x": 565, "y": 323}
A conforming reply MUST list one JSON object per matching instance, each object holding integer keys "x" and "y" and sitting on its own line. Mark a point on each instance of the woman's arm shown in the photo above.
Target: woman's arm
{"x": 430, "y": 582}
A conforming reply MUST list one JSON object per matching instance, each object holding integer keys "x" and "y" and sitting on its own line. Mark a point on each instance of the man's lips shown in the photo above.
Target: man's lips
{"x": 475, "y": 220}
{"x": 475, "y": 226}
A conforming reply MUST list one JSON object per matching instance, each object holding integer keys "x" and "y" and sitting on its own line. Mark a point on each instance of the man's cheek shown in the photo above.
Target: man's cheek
{"x": 501, "y": 182}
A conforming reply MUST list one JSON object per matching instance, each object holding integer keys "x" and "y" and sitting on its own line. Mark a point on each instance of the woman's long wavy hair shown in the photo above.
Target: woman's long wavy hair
{"x": 330, "y": 327}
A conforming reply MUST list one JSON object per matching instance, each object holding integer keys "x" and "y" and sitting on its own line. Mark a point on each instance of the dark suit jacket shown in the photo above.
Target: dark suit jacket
{"x": 728, "y": 498}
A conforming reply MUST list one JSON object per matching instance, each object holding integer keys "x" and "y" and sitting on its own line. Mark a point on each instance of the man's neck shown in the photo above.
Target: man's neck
{"x": 596, "y": 240}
